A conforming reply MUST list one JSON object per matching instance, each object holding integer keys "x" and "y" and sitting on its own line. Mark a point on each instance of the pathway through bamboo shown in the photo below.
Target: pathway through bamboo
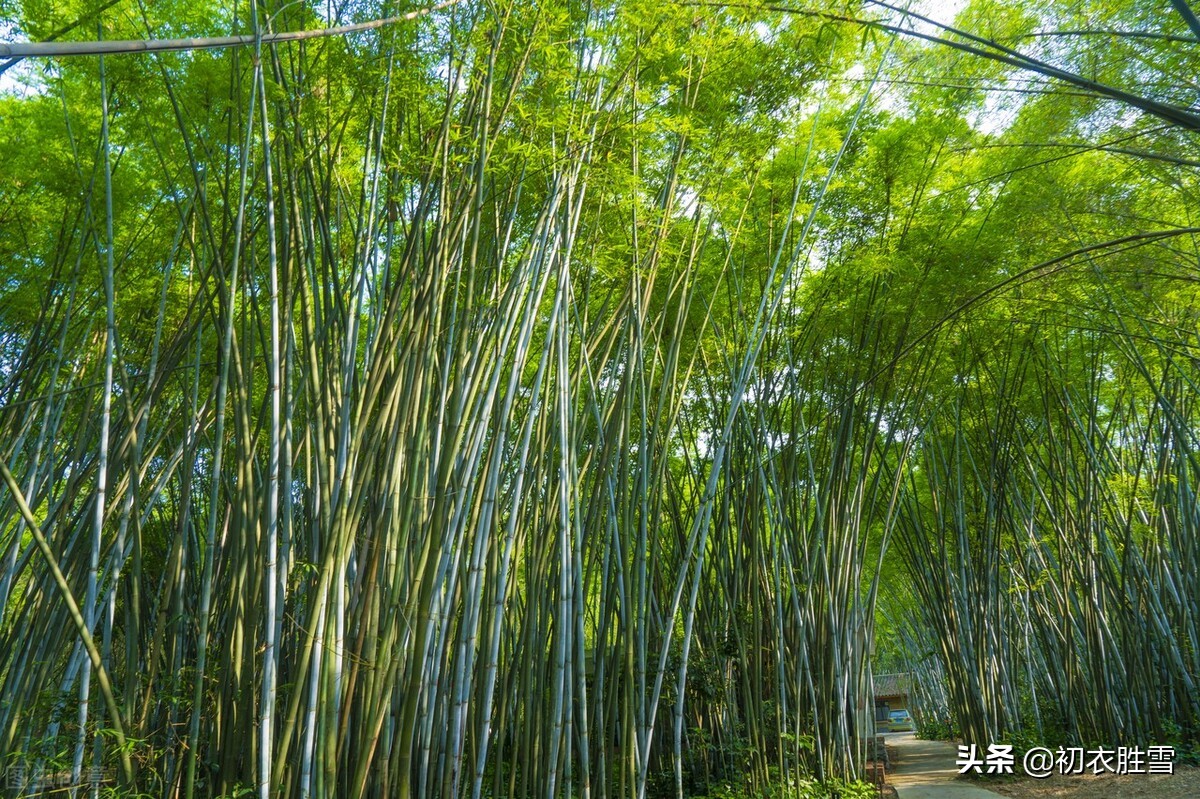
{"x": 926, "y": 770}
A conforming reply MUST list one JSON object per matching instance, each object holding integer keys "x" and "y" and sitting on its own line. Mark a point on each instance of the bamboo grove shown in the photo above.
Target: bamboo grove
{"x": 584, "y": 399}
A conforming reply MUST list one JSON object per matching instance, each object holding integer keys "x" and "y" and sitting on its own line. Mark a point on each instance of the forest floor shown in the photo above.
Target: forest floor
{"x": 1183, "y": 784}
{"x": 926, "y": 770}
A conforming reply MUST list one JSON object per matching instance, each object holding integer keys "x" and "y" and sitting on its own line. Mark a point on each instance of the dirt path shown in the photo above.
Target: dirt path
{"x": 926, "y": 770}
{"x": 1183, "y": 784}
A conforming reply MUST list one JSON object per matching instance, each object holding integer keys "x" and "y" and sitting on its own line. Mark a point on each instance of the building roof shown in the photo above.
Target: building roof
{"x": 892, "y": 684}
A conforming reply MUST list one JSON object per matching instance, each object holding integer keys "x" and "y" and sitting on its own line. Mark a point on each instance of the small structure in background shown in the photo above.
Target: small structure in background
{"x": 891, "y": 694}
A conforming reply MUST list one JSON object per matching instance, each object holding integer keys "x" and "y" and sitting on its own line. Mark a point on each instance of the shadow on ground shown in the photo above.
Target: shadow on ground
{"x": 926, "y": 770}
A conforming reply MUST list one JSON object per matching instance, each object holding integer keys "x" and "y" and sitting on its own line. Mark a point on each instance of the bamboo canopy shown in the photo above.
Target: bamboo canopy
{"x": 591, "y": 399}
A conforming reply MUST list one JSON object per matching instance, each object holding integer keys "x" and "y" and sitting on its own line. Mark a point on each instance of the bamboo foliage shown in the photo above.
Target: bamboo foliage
{"x": 499, "y": 423}
{"x": 1074, "y": 582}
{"x": 434, "y": 519}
